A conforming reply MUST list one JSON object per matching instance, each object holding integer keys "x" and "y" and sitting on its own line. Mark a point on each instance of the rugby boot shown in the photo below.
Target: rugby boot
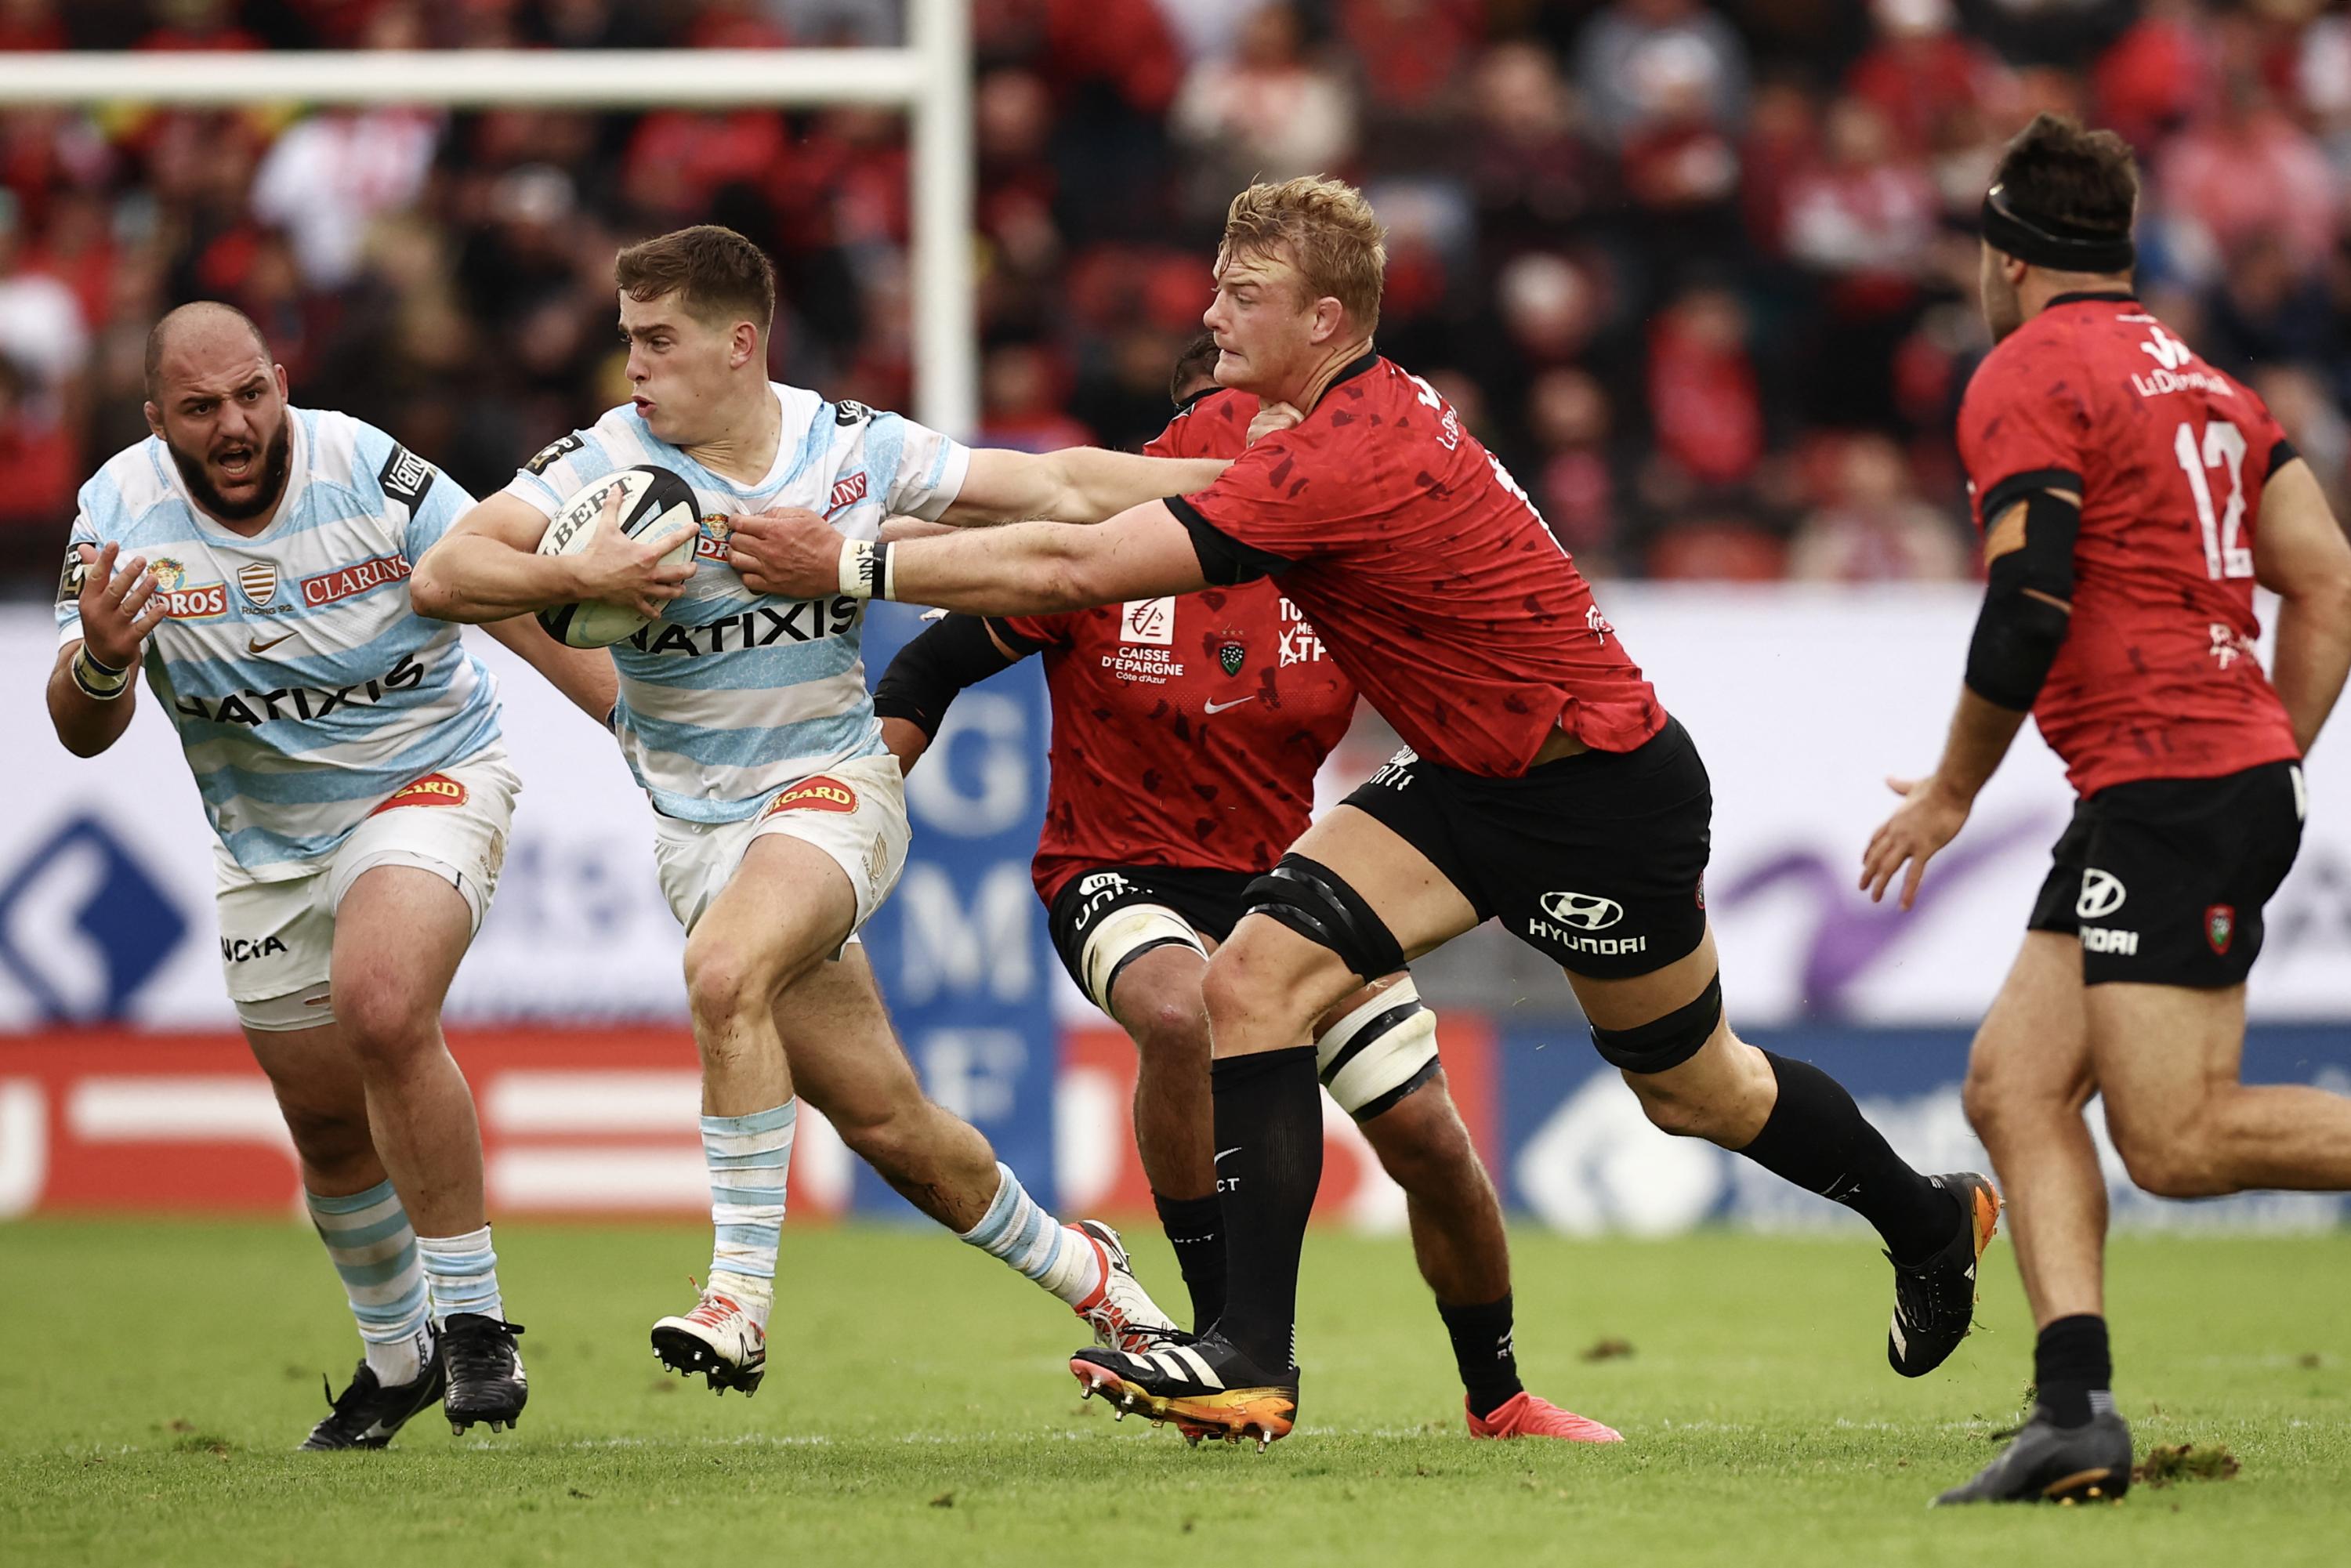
{"x": 485, "y": 1370}
{"x": 2049, "y": 1463}
{"x": 1525, "y": 1415}
{"x": 1121, "y": 1311}
{"x": 1935, "y": 1300}
{"x": 366, "y": 1414}
{"x": 716, "y": 1339}
{"x": 1203, "y": 1383}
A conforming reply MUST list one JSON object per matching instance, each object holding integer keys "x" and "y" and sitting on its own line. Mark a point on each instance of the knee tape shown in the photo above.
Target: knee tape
{"x": 1313, "y": 901}
{"x": 1665, "y": 1042}
{"x": 1378, "y": 1053}
{"x": 1124, "y": 936}
{"x": 306, "y": 1008}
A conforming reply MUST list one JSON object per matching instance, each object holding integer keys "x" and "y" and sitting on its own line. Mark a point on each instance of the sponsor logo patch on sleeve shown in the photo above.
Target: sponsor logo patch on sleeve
{"x": 553, "y": 452}
{"x": 433, "y": 790}
{"x": 821, "y": 793}
{"x": 75, "y": 574}
{"x": 406, "y": 477}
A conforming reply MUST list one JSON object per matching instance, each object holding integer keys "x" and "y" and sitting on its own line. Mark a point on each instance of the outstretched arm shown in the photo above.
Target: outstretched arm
{"x": 1026, "y": 569}
{"x": 1076, "y": 485}
{"x": 2028, "y": 607}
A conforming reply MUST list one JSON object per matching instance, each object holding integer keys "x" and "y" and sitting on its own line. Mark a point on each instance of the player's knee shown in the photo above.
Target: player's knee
{"x": 1238, "y": 988}
{"x": 2175, "y": 1163}
{"x": 384, "y": 1021}
{"x": 1989, "y": 1099}
{"x": 1669, "y": 1111}
{"x": 1170, "y": 1028}
{"x": 723, "y": 979}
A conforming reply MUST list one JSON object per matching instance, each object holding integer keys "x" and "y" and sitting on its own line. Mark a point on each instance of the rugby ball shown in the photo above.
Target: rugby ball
{"x": 655, "y": 504}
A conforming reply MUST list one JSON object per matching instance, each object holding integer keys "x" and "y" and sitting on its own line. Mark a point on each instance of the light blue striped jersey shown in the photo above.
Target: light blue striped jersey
{"x": 731, "y": 694}
{"x": 305, "y": 689}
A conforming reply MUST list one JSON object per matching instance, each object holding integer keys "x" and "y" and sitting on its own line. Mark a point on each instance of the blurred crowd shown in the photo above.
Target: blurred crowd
{"x": 1701, "y": 274}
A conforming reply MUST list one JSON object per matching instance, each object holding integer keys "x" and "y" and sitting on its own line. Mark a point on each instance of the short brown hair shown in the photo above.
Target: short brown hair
{"x": 718, "y": 275}
{"x": 1329, "y": 233}
{"x": 2055, "y": 169}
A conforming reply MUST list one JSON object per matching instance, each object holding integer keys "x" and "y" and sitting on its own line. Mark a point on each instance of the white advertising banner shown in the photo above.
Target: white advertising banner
{"x": 1801, "y": 700}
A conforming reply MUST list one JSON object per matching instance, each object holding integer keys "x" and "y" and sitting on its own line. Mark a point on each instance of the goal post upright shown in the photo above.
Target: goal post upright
{"x": 929, "y": 79}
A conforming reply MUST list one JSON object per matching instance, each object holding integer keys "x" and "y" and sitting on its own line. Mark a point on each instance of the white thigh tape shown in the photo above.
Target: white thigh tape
{"x": 1377, "y": 1048}
{"x": 1127, "y": 932}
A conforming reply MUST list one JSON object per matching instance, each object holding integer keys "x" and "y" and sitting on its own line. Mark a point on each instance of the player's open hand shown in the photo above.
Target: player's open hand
{"x": 1929, "y": 817}
{"x": 1270, "y": 417}
{"x": 618, "y": 570}
{"x": 789, "y": 552}
{"x": 119, "y": 605}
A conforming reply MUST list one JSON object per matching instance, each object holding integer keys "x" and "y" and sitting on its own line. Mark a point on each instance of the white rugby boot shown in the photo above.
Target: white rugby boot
{"x": 718, "y": 1340}
{"x": 1120, "y": 1312}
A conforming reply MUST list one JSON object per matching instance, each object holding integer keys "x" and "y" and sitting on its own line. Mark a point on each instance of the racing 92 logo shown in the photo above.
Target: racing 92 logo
{"x": 83, "y": 927}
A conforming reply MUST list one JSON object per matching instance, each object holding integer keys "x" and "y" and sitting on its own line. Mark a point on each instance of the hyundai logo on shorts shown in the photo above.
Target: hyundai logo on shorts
{"x": 1582, "y": 911}
{"x": 2101, "y": 895}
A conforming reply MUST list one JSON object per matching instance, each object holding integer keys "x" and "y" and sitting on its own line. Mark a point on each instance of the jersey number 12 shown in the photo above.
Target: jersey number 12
{"x": 2224, "y": 445}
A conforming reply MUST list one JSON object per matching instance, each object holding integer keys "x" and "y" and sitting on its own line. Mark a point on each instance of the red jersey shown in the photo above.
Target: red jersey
{"x": 2157, "y": 677}
{"x": 1186, "y": 730}
{"x": 1428, "y": 574}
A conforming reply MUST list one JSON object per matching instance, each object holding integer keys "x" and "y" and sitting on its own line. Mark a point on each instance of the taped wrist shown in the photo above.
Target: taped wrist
{"x": 865, "y": 569}
{"x": 2019, "y": 631}
{"x": 99, "y": 681}
{"x": 948, "y": 656}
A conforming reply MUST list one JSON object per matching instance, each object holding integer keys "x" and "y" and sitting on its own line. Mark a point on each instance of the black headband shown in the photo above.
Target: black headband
{"x": 2048, "y": 242}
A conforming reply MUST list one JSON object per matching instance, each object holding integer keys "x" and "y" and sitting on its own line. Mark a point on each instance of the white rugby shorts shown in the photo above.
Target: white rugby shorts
{"x": 277, "y": 937}
{"x": 855, "y": 812}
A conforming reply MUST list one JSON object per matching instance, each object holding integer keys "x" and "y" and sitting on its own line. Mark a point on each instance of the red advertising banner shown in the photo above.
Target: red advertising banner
{"x": 592, "y": 1122}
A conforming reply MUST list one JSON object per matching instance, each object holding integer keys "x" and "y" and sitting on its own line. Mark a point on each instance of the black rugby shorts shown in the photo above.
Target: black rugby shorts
{"x": 1209, "y": 900}
{"x": 1597, "y": 861}
{"x": 2164, "y": 879}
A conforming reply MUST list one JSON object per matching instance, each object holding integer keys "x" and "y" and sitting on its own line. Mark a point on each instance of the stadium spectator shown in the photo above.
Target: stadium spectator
{"x": 1810, "y": 173}
{"x": 1873, "y": 528}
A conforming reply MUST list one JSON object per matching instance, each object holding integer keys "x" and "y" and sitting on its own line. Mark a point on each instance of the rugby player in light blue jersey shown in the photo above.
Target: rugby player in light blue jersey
{"x": 780, "y": 818}
{"x": 255, "y": 558}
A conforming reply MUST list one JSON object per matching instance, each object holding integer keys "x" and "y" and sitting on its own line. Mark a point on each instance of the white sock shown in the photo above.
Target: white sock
{"x": 749, "y": 1158}
{"x": 1044, "y": 1249}
{"x": 462, "y": 1273}
{"x": 367, "y": 1236}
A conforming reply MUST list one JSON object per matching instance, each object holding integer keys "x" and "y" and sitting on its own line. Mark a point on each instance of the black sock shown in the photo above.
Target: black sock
{"x": 1483, "y": 1350}
{"x": 2074, "y": 1369}
{"x": 1195, "y": 1228}
{"x": 1269, "y": 1118}
{"x": 1816, "y": 1138}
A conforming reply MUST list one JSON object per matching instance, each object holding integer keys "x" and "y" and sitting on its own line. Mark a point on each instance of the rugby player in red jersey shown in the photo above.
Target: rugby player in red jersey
{"x": 2130, "y": 497}
{"x": 1187, "y": 735}
{"x": 1543, "y": 785}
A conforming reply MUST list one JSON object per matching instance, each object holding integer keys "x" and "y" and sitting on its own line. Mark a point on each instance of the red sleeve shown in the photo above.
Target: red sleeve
{"x": 2268, "y": 448}
{"x": 1287, "y": 498}
{"x": 2024, "y": 425}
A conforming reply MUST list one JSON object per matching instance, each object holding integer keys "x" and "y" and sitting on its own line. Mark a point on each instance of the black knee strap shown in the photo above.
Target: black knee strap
{"x": 1665, "y": 1043}
{"x": 1313, "y": 901}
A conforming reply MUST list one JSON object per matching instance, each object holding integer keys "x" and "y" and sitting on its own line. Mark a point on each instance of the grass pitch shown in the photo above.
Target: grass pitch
{"x": 917, "y": 1410}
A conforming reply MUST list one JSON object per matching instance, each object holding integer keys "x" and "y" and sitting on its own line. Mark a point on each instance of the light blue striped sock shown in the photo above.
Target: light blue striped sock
{"x": 1015, "y": 1229}
{"x": 749, "y": 1158}
{"x": 367, "y": 1236}
{"x": 462, "y": 1273}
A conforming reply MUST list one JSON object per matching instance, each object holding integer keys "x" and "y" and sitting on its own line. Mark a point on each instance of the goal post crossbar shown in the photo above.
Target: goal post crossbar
{"x": 930, "y": 79}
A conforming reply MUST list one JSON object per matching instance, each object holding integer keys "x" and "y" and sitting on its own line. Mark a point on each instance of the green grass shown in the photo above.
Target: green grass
{"x": 916, "y": 1411}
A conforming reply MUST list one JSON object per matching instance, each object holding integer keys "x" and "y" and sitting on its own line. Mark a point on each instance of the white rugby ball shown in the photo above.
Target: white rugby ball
{"x": 655, "y": 504}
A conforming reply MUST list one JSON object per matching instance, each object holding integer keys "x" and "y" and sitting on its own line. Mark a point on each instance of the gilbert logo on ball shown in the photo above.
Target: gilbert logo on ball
{"x": 655, "y": 505}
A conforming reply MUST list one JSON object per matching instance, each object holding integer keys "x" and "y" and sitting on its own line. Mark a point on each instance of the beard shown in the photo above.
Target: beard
{"x": 276, "y": 459}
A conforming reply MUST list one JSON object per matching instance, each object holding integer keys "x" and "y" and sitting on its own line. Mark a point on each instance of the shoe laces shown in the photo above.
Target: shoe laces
{"x": 712, "y": 1311}
{"x": 484, "y": 1351}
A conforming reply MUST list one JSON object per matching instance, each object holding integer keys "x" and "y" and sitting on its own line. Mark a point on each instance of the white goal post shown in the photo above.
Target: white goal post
{"x": 930, "y": 79}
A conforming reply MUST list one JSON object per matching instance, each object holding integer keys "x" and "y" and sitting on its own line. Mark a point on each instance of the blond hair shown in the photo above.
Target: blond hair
{"x": 1325, "y": 229}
